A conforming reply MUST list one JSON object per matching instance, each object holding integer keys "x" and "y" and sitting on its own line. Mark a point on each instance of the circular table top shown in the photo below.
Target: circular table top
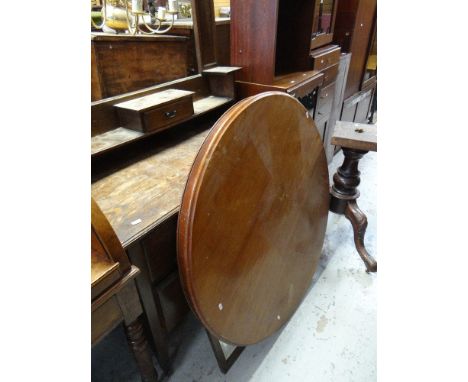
{"x": 253, "y": 218}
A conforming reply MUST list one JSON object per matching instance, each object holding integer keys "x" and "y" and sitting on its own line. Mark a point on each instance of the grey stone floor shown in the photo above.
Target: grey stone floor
{"x": 331, "y": 337}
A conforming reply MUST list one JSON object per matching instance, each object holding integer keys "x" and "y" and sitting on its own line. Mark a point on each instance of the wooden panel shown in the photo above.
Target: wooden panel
{"x": 127, "y": 65}
{"x": 325, "y": 101}
{"x": 229, "y": 252}
{"x": 354, "y": 27}
{"x": 104, "y": 271}
{"x": 108, "y": 238}
{"x": 167, "y": 115}
{"x": 329, "y": 74}
{"x": 223, "y": 44}
{"x": 205, "y": 33}
{"x": 173, "y": 303}
{"x": 160, "y": 249}
{"x": 325, "y": 57}
{"x": 96, "y": 90}
{"x": 104, "y": 319}
{"x": 252, "y": 42}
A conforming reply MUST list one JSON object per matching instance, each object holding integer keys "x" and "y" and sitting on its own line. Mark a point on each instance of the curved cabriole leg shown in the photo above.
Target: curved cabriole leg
{"x": 359, "y": 223}
{"x": 141, "y": 351}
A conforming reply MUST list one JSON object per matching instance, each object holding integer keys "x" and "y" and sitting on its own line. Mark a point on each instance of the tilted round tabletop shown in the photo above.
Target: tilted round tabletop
{"x": 253, "y": 218}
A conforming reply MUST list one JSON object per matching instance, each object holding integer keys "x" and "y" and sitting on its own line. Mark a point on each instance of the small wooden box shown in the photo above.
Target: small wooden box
{"x": 156, "y": 111}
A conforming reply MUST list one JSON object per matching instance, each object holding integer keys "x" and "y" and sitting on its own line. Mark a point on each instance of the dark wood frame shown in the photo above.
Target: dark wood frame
{"x": 324, "y": 38}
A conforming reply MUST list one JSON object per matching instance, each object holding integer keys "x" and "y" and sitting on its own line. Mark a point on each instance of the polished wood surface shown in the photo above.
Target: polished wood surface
{"x": 253, "y": 218}
{"x": 354, "y": 27}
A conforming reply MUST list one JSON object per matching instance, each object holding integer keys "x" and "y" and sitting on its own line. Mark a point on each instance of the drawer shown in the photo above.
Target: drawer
{"x": 155, "y": 111}
{"x": 329, "y": 74}
{"x": 325, "y": 57}
{"x": 173, "y": 303}
{"x": 167, "y": 115}
{"x": 104, "y": 319}
{"x": 160, "y": 249}
{"x": 325, "y": 101}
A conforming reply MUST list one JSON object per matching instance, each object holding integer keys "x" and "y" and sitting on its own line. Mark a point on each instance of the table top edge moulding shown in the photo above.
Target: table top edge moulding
{"x": 278, "y": 205}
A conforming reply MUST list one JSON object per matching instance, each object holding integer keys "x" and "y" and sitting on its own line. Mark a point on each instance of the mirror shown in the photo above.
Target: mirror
{"x": 323, "y": 17}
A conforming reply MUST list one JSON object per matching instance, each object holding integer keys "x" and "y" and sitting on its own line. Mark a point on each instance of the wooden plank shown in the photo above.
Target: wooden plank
{"x": 113, "y": 138}
{"x": 136, "y": 198}
{"x": 357, "y": 136}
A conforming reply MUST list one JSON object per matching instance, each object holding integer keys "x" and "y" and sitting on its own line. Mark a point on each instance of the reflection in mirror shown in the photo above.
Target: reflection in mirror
{"x": 371, "y": 65}
{"x": 323, "y": 18}
{"x": 222, "y": 8}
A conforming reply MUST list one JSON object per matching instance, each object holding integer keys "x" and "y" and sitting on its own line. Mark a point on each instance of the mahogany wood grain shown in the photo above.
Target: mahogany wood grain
{"x": 297, "y": 84}
{"x": 353, "y": 32}
{"x": 253, "y": 218}
{"x": 253, "y": 39}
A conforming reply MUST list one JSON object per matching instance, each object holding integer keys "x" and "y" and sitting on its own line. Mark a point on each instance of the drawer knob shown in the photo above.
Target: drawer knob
{"x": 171, "y": 114}
{"x": 321, "y": 61}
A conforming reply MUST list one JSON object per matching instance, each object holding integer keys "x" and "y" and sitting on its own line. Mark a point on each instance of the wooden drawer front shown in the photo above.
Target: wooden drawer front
{"x": 325, "y": 101}
{"x": 104, "y": 319}
{"x": 323, "y": 60}
{"x": 160, "y": 250}
{"x": 329, "y": 74}
{"x": 167, "y": 115}
{"x": 173, "y": 303}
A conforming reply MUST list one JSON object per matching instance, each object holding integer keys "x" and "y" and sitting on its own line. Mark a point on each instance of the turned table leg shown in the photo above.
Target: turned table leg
{"x": 137, "y": 341}
{"x": 344, "y": 193}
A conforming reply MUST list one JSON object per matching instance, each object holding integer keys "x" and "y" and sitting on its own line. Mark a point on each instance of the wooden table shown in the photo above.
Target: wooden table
{"x": 253, "y": 218}
{"x": 356, "y": 140}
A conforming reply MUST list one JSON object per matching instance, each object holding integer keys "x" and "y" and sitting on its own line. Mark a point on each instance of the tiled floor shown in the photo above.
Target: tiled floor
{"x": 331, "y": 337}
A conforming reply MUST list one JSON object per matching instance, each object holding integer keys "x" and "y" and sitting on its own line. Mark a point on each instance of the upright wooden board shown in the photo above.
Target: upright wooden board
{"x": 253, "y": 218}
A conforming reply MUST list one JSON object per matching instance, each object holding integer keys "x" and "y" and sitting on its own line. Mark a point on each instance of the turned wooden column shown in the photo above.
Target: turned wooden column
{"x": 141, "y": 351}
{"x": 356, "y": 140}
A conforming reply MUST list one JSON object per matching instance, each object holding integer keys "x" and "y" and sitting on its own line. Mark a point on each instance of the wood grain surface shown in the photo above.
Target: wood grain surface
{"x": 358, "y": 136}
{"x": 253, "y": 218}
{"x": 139, "y": 196}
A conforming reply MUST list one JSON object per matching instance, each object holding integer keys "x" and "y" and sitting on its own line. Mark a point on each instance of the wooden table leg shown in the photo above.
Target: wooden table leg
{"x": 140, "y": 348}
{"x": 344, "y": 193}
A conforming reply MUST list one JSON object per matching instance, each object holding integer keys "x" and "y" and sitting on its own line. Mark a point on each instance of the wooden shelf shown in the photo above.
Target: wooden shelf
{"x": 157, "y": 182}
{"x": 121, "y": 136}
